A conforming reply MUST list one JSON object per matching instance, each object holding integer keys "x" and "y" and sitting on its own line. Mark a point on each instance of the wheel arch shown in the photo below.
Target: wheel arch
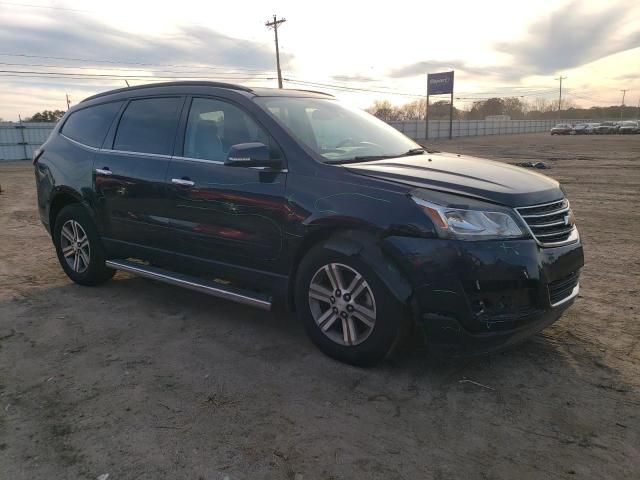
{"x": 59, "y": 200}
{"x": 358, "y": 243}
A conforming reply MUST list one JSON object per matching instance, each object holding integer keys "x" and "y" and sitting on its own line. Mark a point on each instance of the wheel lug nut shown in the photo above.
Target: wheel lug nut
{"x": 347, "y": 297}
{"x": 343, "y": 314}
{"x": 335, "y": 309}
{"x": 333, "y": 299}
{"x": 350, "y": 308}
{"x": 338, "y": 293}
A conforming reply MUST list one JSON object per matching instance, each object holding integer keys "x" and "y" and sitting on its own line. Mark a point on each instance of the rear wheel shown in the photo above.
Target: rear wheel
{"x": 348, "y": 312}
{"x": 79, "y": 248}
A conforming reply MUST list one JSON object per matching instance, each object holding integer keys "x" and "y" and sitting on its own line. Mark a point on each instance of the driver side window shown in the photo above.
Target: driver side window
{"x": 214, "y": 126}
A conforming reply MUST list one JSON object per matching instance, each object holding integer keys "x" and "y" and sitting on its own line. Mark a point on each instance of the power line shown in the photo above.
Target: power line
{"x": 48, "y": 7}
{"x": 121, "y": 62}
{"x": 137, "y": 77}
{"x": 591, "y": 99}
{"x": 349, "y": 89}
{"x": 80, "y": 67}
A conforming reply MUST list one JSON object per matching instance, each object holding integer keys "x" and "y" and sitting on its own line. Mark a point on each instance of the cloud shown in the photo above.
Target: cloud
{"x": 353, "y": 78}
{"x": 433, "y": 66}
{"x": 628, "y": 76}
{"x": 567, "y": 38}
{"x": 427, "y": 66}
{"x": 82, "y": 37}
{"x": 88, "y": 38}
{"x": 571, "y": 37}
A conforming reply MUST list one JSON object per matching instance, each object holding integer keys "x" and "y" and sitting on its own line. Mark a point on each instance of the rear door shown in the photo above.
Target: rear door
{"x": 221, "y": 213}
{"x": 130, "y": 173}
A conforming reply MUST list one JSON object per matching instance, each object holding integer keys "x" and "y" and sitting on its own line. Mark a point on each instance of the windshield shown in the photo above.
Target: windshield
{"x": 337, "y": 132}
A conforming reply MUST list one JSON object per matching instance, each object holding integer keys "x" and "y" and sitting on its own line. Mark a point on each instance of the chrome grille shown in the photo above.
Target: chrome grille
{"x": 551, "y": 224}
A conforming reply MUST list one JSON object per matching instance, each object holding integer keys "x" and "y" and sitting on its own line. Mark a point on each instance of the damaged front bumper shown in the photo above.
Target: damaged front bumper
{"x": 478, "y": 297}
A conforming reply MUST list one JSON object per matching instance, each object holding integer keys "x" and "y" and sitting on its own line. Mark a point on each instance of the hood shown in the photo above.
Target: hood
{"x": 468, "y": 176}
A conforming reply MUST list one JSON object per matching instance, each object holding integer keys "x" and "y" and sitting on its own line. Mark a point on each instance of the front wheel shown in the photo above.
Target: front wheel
{"x": 79, "y": 248}
{"x": 348, "y": 312}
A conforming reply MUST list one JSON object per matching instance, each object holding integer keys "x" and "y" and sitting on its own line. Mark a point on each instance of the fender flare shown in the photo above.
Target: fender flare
{"x": 366, "y": 246}
{"x": 67, "y": 192}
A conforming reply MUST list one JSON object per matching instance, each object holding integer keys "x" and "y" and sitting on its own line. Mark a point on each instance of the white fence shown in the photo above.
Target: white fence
{"x": 472, "y": 128}
{"x": 19, "y": 140}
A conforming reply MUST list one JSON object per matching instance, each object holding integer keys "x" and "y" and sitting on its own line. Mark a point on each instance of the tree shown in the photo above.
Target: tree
{"x": 515, "y": 108}
{"x": 413, "y": 110}
{"x": 46, "y": 116}
{"x": 384, "y": 110}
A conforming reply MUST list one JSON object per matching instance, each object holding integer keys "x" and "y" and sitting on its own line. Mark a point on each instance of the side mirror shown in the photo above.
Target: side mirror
{"x": 251, "y": 155}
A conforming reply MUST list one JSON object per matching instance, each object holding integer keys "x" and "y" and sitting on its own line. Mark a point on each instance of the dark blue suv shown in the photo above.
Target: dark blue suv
{"x": 289, "y": 197}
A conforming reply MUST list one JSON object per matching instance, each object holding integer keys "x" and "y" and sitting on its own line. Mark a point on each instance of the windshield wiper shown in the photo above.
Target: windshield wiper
{"x": 361, "y": 158}
{"x": 413, "y": 151}
{"x": 367, "y": 158}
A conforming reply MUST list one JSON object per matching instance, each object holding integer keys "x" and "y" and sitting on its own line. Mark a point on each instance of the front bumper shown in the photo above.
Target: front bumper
{"x": 478, "y": 297}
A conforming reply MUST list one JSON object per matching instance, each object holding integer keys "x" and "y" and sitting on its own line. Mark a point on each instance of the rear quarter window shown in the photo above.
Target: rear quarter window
{"x": 90, "y": 125}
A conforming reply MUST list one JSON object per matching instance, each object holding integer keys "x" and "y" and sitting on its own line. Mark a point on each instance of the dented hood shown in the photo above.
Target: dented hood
{"x": 463, "y": 175}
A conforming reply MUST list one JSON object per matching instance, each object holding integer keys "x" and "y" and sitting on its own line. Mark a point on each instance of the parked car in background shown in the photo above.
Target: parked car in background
{"x": 629, "y": 126}
{"x": 288, "y": 197}
{"x": 591, "y": 127}
{"x": 606, "y": 127}
{"x": 579, "y": 129}
{"x": 561, "y": 129}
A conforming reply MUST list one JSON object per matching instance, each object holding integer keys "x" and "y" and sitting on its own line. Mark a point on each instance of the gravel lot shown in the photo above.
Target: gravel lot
{"x": 140, "y": 380}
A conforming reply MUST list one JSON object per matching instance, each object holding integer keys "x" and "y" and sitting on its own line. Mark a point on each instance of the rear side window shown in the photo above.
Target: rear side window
{"x": 148, "y": 126}
{"x": 90, "y": 125}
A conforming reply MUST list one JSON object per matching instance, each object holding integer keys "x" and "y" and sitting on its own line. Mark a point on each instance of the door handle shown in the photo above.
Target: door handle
{"x": 104, "y": 171}
{"x": 183, "y": 181}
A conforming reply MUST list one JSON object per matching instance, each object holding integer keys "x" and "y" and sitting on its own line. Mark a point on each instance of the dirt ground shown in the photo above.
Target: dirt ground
{"x": 140, "y": 380}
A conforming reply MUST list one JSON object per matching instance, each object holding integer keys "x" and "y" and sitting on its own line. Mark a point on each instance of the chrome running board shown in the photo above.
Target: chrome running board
{"x": 193, "y": 283}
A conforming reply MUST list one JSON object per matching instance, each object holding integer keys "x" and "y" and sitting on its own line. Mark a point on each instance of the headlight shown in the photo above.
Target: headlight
{"x": 464, "y": 224}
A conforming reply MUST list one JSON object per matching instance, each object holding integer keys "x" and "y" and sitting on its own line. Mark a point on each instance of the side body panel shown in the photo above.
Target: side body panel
{"x": 66, "y": 169}
{"x": 131, "y": 203}
{"x": 229, "y": 214}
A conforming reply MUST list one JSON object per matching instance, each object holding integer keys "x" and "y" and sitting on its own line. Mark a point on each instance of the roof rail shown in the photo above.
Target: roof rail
{"x": 313, "y": 91}
{"x": 171, "y": 84}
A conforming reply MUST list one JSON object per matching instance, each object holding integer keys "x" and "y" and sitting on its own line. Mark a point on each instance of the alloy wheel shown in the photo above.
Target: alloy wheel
{"x": 74, "y": 243}
{"x": 342, "y": 304}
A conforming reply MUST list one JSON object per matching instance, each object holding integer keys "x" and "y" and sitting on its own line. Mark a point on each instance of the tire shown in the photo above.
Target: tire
{"x": 80, "y": 251}
{"x": 365, "y": 342}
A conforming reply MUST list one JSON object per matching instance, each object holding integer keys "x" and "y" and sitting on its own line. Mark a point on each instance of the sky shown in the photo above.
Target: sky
{"x": 360, "y": 51}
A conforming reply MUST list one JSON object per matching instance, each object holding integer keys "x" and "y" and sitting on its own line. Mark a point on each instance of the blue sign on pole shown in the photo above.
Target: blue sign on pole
{"x": 440, "y": 83}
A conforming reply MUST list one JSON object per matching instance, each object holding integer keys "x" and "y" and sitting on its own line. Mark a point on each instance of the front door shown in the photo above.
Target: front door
{"x": 130, "y": 173}
{"x": 221, "y": 213}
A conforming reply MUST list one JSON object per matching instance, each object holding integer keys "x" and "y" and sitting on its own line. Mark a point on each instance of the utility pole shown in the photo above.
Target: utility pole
{"x": 560, "y": 96}
{"x": 275, "y": 24}
{"x": 624, "y": 93}
{"x": 68, "y": 101}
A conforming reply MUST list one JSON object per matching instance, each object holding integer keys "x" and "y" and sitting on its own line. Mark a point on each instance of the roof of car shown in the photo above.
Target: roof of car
{"x": 259, "y": 92}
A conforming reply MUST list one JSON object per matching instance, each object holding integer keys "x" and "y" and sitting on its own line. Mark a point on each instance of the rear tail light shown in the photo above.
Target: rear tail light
{"x": 37, "y": 154}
